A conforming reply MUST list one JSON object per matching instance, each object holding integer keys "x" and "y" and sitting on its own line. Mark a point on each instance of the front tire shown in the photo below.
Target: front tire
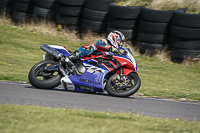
{"x": 44, "y": 80}
{"x": 131, "y": 85}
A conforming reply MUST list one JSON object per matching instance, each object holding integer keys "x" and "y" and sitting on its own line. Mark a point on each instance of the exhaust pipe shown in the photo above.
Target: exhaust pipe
{"x": 51, "y": 51}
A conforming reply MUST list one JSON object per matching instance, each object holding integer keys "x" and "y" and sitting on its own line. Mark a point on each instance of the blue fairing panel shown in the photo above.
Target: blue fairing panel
{"x": 92, "y": 79}
{"x": 64, "y": 52}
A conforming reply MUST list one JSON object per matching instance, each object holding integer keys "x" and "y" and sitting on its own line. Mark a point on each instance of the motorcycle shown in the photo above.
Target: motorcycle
{"x": 115, "y": 73}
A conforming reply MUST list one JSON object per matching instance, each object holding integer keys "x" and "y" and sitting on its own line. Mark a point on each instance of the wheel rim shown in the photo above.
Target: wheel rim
{"x": 41, "y": 75}
{"x": 122, "y": 86}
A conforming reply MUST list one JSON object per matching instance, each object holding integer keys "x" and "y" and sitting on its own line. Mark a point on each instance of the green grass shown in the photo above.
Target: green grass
{"x": 192, "y": 6}
{"x": 167, "y": 79}
{"x": 29, "y": 119}
{"x": 20, "y": 50}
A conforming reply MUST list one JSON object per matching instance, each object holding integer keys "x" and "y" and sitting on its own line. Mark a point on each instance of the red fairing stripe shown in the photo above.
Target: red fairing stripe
{"x": 109, "y": 69}
{"x": 127, "y": 71}
{"x": 103, "y": 52}
{"x": 67, "y": 50}
{"x": 113, "y": 64}
{"x": 95, "y": 60}
{"x": 90, "y": 57}
{"x": 125, "y": 62}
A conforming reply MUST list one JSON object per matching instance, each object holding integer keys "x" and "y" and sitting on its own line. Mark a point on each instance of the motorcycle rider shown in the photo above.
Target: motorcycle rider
{"x": 114, "y": 40}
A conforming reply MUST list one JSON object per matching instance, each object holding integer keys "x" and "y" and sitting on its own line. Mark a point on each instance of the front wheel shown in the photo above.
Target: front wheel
{"x": 39, "y": 77}
{"x": 130, "y": 85}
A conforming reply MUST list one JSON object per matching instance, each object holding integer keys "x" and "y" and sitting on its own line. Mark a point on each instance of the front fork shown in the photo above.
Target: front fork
{"x": 121, "y": 76}
{"x": 123, "y": 72}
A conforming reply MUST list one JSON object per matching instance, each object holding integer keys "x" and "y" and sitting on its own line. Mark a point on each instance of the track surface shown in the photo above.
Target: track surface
{"x": 25, "y": 94}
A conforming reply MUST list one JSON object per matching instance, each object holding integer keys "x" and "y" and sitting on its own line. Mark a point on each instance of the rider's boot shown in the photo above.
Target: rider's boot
{"x": 70, "y": 59}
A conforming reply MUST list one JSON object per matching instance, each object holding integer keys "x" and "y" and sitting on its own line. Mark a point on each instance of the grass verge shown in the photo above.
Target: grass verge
{"x": 20, "y": 50}
{"x": 192, "y": 6}
{"x": 23, "y": 119}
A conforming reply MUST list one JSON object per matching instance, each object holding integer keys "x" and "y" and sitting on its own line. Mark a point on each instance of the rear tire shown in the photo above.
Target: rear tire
{"x": 125, "y": 92}
{"x": 37, "y": 79}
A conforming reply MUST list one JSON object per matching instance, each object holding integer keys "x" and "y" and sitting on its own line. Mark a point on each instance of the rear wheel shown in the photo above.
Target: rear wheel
{"x": 40, "y": 77}
{"x": 130, "y": 85}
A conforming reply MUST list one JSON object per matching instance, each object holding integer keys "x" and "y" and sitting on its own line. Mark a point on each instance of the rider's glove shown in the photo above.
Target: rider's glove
{"x": 114, "y": 50}
{"x": 110, "y": 48}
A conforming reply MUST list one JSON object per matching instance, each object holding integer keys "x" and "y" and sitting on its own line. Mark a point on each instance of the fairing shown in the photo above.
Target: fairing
{"x": 97, "y": 67}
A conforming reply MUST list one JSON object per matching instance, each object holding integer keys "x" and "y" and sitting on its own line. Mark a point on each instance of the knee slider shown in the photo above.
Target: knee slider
{"x": 86, "y": 46}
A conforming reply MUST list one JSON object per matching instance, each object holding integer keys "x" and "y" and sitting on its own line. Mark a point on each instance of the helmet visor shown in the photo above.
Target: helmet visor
{"x": 120, "y": 43}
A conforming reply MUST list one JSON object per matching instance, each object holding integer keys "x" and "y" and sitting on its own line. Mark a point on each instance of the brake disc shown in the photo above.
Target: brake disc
{"x": 121, "y": 84}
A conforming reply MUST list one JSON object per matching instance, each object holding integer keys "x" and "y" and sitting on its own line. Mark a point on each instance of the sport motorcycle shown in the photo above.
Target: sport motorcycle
{"x": 114, "y": 73}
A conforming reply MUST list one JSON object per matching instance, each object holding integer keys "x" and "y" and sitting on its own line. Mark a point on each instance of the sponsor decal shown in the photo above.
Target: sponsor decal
{"x": 90, "y": 70}
{"x": 93, "y": 69}
{"x": 86, "y": 88}
{"x": 89, "y": 81}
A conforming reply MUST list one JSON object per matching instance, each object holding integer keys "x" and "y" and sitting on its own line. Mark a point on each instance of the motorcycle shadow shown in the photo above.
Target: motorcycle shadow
{"x": 59, "y": 88}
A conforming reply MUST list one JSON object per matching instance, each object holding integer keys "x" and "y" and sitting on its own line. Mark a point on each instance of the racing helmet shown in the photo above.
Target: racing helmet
{"x": 115, "y": 38}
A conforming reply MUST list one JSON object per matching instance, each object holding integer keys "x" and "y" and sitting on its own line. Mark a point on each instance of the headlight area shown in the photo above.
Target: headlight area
{"x": 130, "y": 54}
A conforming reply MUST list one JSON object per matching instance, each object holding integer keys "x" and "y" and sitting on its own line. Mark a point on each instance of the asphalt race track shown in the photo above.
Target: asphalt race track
{"x": 25, "y": 94}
